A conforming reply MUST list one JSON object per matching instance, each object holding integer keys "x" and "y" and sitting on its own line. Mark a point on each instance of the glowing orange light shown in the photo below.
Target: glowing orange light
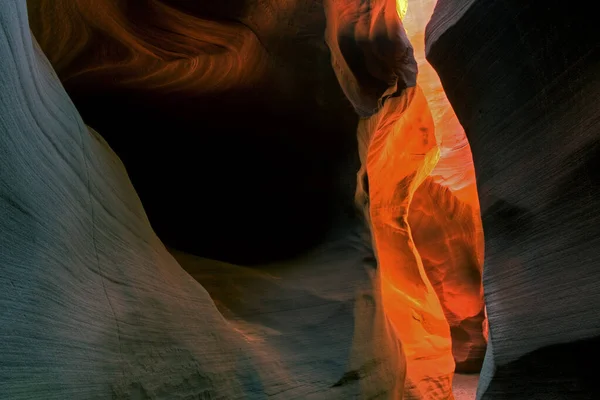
{"x": 402, "y": 8}
{"x": 428, "y": 235}
{"x": 402, "y": 152}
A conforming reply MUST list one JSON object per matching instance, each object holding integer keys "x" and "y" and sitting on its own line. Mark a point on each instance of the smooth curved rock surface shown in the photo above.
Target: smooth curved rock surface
{"x": 389, "y": 138}
{"x": 278, "y": 157}
{"x": 454, "y": 169}
{"x": 398, "y": 152}
{"x": 263, "y": 128}
{"x": 447, "y": 206}
{"x": 523, "y": 79}
{"x": 370, "y": 51}
{"x": 446, "y": 232}
{"x": 93, "y": 306}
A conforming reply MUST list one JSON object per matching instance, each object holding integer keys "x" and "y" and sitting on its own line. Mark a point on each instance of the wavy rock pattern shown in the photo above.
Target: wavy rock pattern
{"x": 370, "y": 51}
{"x": 149, "y": 78}
{"x": 456, "y": 279}
{"x": 269, "y": 125}
{"x": 93, "y": 305}
{"x": 165, "y": 48}
{"x": 522, "y": 78}
{"x": 447, "y": 234}
{"x": 399, "y": 150}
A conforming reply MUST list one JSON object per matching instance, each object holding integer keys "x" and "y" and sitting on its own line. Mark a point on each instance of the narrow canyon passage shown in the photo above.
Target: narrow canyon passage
{"x": 236, "y": 141}
{"x": 284, "y": 200}
{"x": 424, "y": 212}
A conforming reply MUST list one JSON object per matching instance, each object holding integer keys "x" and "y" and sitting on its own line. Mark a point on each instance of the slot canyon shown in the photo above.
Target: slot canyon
{"x": 299, "y": 199}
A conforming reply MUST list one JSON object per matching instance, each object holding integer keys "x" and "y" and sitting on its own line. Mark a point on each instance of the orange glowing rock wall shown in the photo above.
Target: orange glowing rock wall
{"x": 455, "y": 167}
{"x": 417, "y": 175}
{"x": 401, "y": 153}
{"x": 451, "y": 242}
{"x": 446, "y": 234}
{"x": 417, "y": 185}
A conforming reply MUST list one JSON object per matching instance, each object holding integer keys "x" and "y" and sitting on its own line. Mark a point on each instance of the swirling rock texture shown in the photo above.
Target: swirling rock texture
{"x": 232, "y": 122}
{"x": 402, "y": 151}
{"x": 446, "y": 234}
{"x": 224, "y": 116}
{"x": 93, "y": 306}
{"x": 446, "y": 224}
{"x": 523, "y": 79}
{"x": 399, "y": 150}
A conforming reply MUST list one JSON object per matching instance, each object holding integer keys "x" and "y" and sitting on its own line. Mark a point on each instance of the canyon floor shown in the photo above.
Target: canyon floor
{"x": 465, "y": 386}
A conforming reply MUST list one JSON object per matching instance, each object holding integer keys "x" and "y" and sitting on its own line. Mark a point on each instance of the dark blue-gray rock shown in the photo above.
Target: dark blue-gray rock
{"x": 93, "y": 306}
{"x": 524, "y": 80}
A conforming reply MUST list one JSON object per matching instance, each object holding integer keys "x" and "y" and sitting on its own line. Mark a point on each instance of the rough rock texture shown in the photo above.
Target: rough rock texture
{"x": 523, "y": 78}
{"x": 464, "y": 387}
{"x": 92, "y": 306}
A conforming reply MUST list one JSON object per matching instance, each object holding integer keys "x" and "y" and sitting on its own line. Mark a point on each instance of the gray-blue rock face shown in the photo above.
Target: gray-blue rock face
{"x": 523, "y": 78}
{"x": 93, "y": 306}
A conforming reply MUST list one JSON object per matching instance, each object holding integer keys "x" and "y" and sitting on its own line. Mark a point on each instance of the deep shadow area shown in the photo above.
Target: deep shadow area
{"x": 522, "y": 78}
{"x": 571, "y": 367}
{"x": 232, "y": 177}
{"x": 249, "y": 175}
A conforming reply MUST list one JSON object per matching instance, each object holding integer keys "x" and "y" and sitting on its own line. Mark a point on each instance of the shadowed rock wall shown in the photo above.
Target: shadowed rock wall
{"x": 93, "y": 306}
{"x": 223, "y": 116}
{"x": 523, "y": 78}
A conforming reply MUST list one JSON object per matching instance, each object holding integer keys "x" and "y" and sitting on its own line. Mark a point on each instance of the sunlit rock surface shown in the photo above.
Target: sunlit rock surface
{"x": 447, "y": 232}
{"x": 523, "y": 78}
{"x": 454, "y": 263}
{"x": 461, "y": 293}
{"x": 444, "y": 233}
{"x": 399, "y": 150}
{"x": 454, "y": 169}
{"x": 242, "y": 146}
{"x": 93, "y": 305}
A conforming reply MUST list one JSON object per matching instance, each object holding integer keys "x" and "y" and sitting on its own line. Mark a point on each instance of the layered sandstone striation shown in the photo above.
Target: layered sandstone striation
{"x": 446, "y": 232}
{"x": 454, "y": 264}
{"x": 399, "y": 154}
{"x": 237, "y": 126}
{"x": 94, "y": 306}
{"x": 523, "y": 79}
